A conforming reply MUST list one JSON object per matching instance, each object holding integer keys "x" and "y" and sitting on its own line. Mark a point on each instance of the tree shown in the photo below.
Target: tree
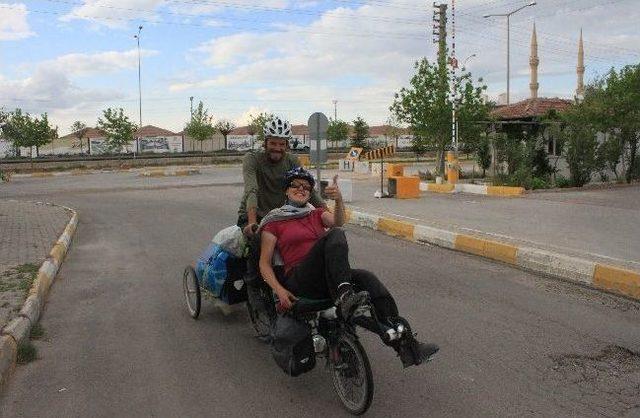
{"x": 40, "y": 132}
{"x": 225, "y": 127}
{"x": 608, "y": 155}
{"x": 360, "y": 133}
{"x": 257, "y": 123}
{"x": 200, "y": 127}
{"x": 483, "y": 153}
{"x": 16, "y": 129}
{"x": 613, "y": 102}
{"x": 426, "y": 107}
{"x": 118, "y": 129}
{"x": 579, "y": 134}
{"x": 79, "y": 129}
{"x": 337, "y": 131}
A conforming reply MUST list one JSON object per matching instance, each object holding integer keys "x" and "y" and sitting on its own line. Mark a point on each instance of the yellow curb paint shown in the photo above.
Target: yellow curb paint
{"x": 156, "y": 173}
{"x": 486, "y": 248}
{"x": 618, "y": 280}
{"x": 57, "y": 252}
{"x": 504, "y": 191}
{"x": 8, "y": 354}
{"x": 41, "y": 174}
{"x": 440, "y": 188}
{"x": 347, "y": 215}
{"x": 45, "y": 282}
{"x": 396, "y": 228}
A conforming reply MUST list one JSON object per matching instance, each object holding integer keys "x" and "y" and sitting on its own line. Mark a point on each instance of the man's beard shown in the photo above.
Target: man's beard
{"x": 271, "y": 154}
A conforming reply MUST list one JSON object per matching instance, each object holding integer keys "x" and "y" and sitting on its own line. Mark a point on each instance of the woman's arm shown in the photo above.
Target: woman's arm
{"x": 267, "y": 247}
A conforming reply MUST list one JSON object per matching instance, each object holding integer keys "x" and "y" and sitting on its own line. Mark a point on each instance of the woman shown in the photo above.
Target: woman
{"x": 316, "y": 262}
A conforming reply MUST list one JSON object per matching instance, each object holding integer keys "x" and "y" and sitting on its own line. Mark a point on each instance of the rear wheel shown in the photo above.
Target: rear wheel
{"x": 351, "y": 375}
{"x": 191, "y": 289}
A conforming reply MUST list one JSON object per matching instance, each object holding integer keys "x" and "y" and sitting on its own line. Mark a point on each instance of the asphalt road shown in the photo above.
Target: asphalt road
{"x": 119, "y": 341}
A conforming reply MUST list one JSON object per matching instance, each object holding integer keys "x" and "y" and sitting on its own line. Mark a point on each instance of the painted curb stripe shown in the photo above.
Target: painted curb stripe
{"x": 396, "y": 228}
{"x": 440, "y": 188}
{"x": 558, "y": 265}
{"x": 486, "y": 248}
{"x": 8, "y": 357}
{"x": 504, "y": 191}
{"x": 617, "y": 280}
{"x": 434, "y": 236}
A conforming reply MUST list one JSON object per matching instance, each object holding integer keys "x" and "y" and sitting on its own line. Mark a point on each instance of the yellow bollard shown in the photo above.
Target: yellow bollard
{"x": 452, "y": 167}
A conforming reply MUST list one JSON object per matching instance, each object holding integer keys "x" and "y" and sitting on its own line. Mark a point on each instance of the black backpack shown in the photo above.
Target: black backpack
{"x": 292, "y": 345}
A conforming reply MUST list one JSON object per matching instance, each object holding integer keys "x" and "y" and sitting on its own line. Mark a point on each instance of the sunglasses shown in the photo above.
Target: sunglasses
{"x": 302, "y": 186}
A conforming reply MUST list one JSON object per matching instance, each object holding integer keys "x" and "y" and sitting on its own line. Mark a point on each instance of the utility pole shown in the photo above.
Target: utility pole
{"x": 335, "y": 110}
{"x": 139, "y": 83}
{"x": 440, "y": 37}
{"x": 191, "y": 106}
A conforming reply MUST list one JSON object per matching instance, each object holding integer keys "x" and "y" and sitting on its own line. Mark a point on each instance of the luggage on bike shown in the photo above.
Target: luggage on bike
{"x": 292, "y": 345}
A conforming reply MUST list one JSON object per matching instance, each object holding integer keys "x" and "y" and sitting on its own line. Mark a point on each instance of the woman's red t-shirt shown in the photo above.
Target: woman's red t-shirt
{"x": 296, "y": 236}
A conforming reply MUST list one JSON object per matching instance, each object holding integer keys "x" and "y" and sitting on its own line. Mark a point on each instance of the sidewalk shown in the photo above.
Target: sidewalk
{"x": 28, "y": 231}
{"x": 603, "y": 225}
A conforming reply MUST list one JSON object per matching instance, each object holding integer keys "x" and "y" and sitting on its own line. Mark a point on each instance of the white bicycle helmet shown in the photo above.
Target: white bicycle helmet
{"x": 278, "y": 128}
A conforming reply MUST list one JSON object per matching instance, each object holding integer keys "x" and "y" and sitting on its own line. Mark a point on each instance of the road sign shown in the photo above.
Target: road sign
{"x": 380, "y": 153}
{"x": 318, "y": 125}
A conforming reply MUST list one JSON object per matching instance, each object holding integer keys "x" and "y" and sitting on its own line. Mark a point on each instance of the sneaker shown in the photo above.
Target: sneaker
{"x": 414, "y": 353}
{"x": 349, "y": 301}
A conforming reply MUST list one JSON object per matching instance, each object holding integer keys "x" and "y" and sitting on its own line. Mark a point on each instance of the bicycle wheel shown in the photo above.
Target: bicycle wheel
{"x": 261, "y": 311}
{"x": 191, "y": 291}
{"x": 351, "y": 375}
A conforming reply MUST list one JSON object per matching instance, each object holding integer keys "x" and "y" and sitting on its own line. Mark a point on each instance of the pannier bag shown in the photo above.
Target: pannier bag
{"x": 222, "y": 274}
{"x": 292, "y": 345}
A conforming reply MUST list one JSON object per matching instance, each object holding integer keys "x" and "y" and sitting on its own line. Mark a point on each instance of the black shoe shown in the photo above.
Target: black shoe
{"x": 349, "y": 301}
{"x": 414, "y": 353}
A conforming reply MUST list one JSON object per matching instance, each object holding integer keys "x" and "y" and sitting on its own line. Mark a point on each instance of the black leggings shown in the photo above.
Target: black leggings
{"x": 326, "y": 266}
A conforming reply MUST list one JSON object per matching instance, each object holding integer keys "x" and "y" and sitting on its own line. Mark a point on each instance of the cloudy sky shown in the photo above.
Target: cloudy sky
{"x": 73, "y": 58}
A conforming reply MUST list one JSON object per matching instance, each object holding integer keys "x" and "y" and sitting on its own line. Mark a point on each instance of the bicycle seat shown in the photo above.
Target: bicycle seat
{"x": 303, "y": 305}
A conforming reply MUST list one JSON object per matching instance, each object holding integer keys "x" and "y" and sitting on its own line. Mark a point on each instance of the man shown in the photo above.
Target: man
{"x": 316, "y": 263}
{"x": 263, "y": 173}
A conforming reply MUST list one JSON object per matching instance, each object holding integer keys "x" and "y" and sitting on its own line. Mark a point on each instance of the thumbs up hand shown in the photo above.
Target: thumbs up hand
{"x": 332, "y": 191}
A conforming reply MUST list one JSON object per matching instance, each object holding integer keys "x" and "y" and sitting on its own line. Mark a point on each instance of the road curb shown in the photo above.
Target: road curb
{"x": 593, "y": 274}
{"x": 170, "y": 173}
{"x": 18, "y": 329}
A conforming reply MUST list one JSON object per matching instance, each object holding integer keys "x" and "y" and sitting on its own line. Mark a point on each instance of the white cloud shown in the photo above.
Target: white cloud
{"x": 116, "y": 13}
{"x": 13, "y": 22}
{"x": 98, "y": 63}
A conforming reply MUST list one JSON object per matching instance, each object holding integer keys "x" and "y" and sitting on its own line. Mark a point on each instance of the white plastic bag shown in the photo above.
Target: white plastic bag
{"x": 231, "y": 240}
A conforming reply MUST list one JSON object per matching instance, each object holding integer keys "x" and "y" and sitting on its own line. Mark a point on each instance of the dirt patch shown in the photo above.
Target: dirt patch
{"x": 607, "y": 382}
{"x": 15, "y": 283}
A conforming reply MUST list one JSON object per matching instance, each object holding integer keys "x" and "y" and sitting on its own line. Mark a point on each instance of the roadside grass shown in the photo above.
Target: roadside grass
{"x": 27, "y": 352}
{"x": 37, "y": 332}
{"x": 18, "y": 278}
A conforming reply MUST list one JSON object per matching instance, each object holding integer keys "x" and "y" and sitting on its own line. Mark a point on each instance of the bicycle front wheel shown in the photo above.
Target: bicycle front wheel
{"x": 351, "y": 375}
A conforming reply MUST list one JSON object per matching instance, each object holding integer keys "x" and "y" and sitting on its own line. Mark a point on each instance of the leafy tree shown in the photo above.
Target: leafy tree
{"x": 609, "y": 154}
{"x": 360, "y": 133}
{"x": 418, "y": 146}
{"x": 200, "y": 127}
{"x": 40, "y": 132}
{"x": 16, "y": 129}
{"x": 581, "y": 144}
{"x": 225, "y": 127}
{"x": 613, "y": 104}
{"x": 118, "y": 129}
{"x": 257, "y": 123}
{"x": 337, "y": 131}
{"x": 79, "y": 129}
{"x": 483, "y": 153}
{"x": 426, "y": 107}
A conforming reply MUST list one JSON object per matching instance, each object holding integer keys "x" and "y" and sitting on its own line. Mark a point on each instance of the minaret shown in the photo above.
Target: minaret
{"x": 580, "y": 69}
{"x": 533, "y": 64}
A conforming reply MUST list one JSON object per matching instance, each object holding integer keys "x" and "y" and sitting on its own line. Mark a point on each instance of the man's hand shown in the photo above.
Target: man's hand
{"x": 332, "y": 191}
{"x": 285, "y": 298}
{"x": 250, "y": 230}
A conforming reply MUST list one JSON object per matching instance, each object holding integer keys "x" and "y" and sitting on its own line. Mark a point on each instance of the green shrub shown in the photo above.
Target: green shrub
{"x": 27, "y": 352}
{"x": 563, "y": 182}
{"x": 539, "y": 183}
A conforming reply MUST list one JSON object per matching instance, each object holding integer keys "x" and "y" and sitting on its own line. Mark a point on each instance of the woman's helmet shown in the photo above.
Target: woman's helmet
{"x": 278, "y": 128}
{"x": 298, "y": 173}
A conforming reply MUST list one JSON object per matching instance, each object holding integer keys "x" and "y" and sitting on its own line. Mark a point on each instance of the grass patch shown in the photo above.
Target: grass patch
{"x": 27, "y": 352}
{"x": 37, "y": 332}
{"x": 27, "y": 268}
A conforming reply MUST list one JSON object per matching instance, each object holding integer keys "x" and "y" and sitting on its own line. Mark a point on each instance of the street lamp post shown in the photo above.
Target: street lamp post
{"x": 508, "y": 16}
{"x": 467, "y": 59}
{"x": 335, "y": 109}
{"x": 139, "y": 76}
